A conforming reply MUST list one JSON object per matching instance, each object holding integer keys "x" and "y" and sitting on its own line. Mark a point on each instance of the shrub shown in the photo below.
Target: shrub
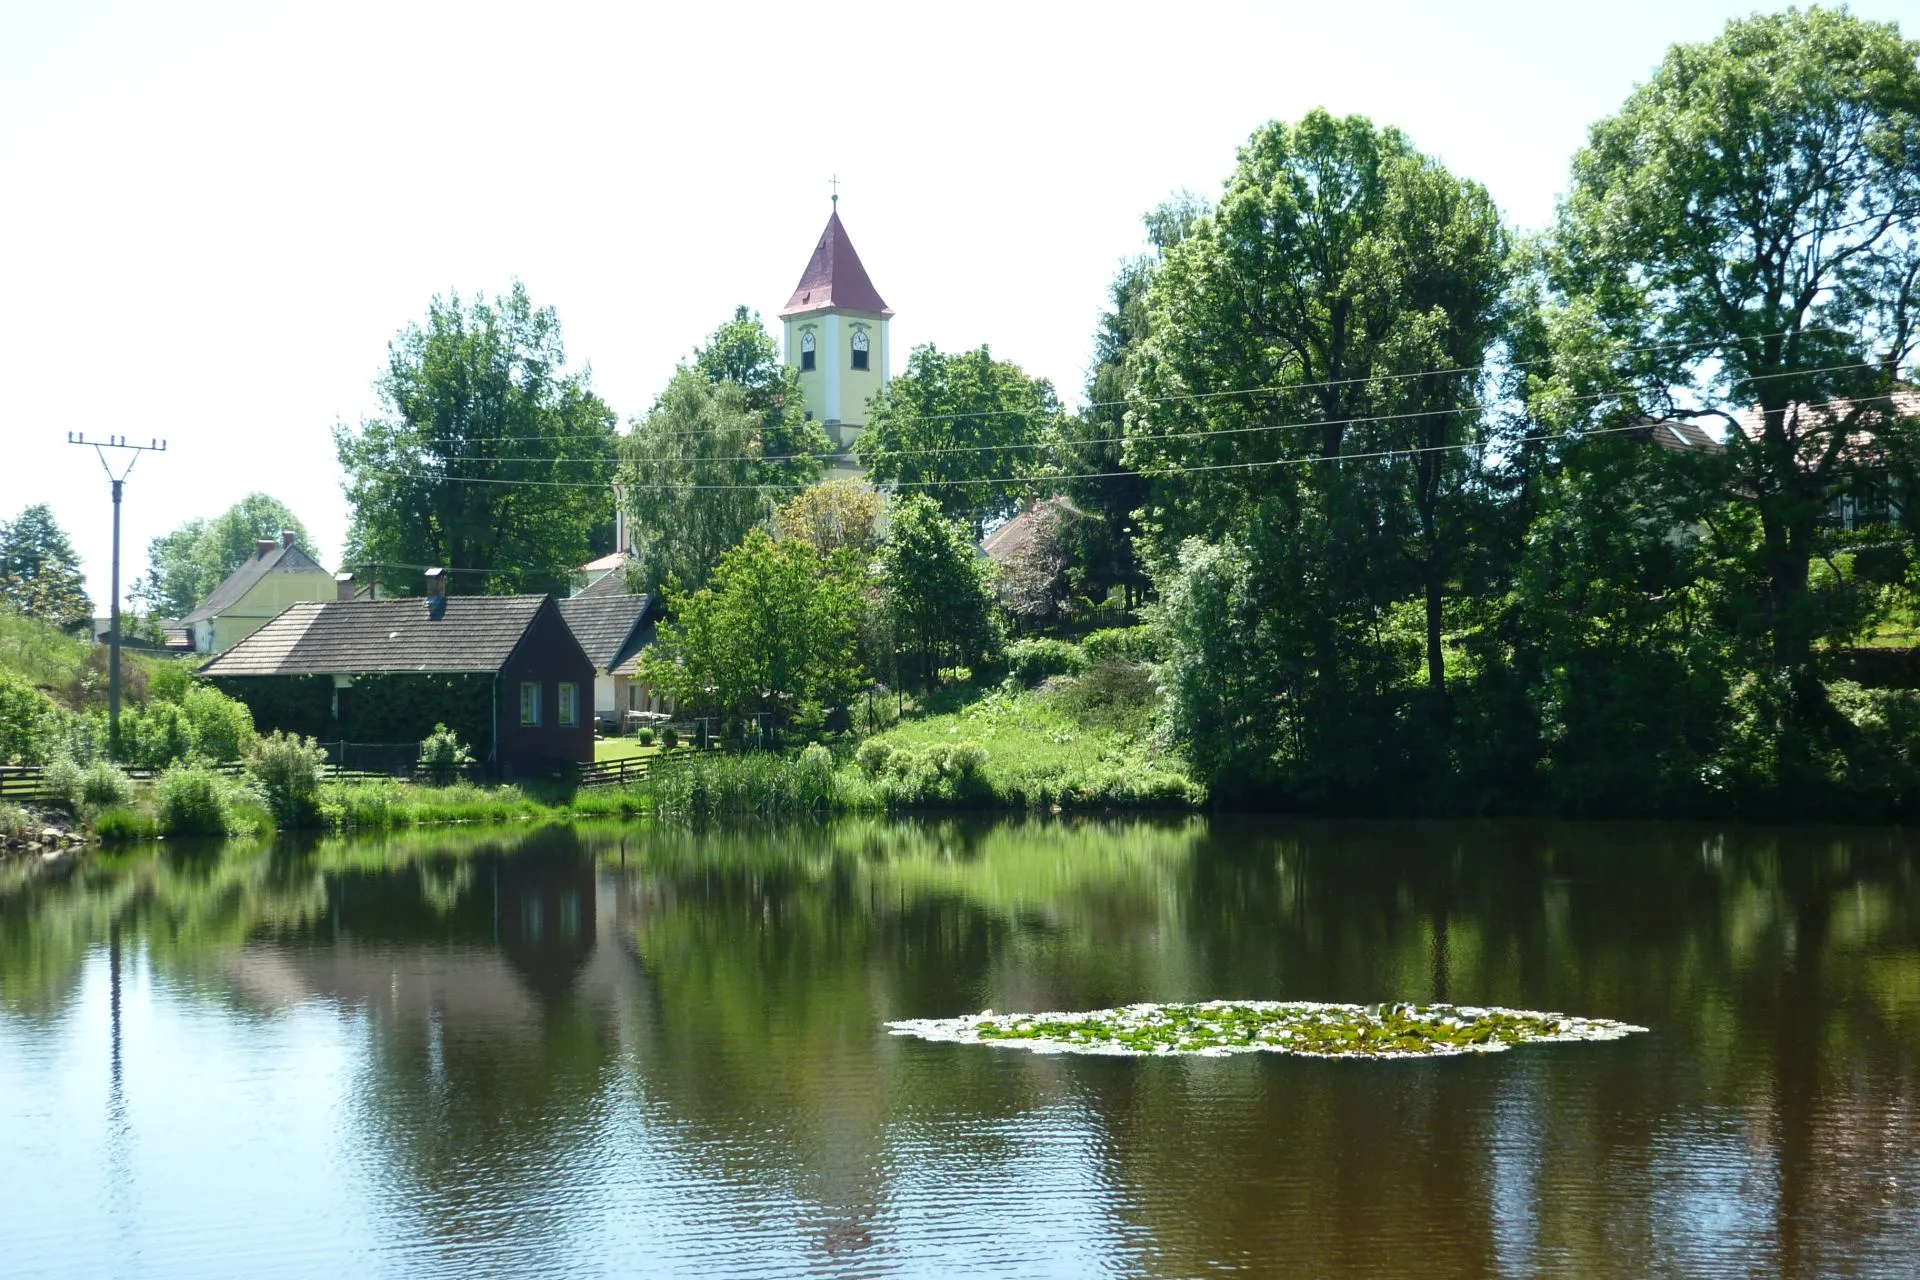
{"x": 286, "y": 768}
{"x": 1031, "y": 661}
{"x": 62, "y": 780}
{"x": 644, "y": 736}
{"x": 102, "y": 786}
{"x": 156, "y": 735}
{"x": 192, "y": 800}
{"x": 222, "y": 726}
{"x": 443, "y": 757}
{"x": 120, "y": 824}
{"x": 669, "y": 737}
{"x": 873, "y": 755}
{"x": 29, "y": 722}
{"x": 1120, "y": 644}
{"x": 169, "y": 680}
{"x": 1111, "y": 695}
{"x": 16, "y": 823}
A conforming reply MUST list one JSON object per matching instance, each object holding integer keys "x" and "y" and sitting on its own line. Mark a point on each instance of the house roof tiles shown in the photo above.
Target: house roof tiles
{"x": 609, "y": 628}
{"x": 363, "y": 637}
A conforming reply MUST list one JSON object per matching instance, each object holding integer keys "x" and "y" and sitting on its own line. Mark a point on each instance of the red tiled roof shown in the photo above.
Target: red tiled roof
{"x": 1811, "y": 419}
{"x": 835, "y": 278}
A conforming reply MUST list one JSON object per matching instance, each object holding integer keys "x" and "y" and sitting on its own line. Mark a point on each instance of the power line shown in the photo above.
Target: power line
{"x": 1121, "y": 439}
{"x": 1144, "y": 473}
{"x": 1280, "y": 388}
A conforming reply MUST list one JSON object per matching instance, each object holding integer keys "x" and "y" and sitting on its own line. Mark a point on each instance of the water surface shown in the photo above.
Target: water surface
{"x": 621, "y": 1051}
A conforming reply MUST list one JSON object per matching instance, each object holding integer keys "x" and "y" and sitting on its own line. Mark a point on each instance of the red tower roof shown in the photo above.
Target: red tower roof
{"x": 834, "y": 278}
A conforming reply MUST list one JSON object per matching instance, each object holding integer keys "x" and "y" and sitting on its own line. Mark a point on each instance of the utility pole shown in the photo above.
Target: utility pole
{"x": 100, "y": 448}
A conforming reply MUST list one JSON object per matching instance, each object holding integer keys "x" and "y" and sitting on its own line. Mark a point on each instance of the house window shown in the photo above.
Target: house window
{"x": 569, "y": 705}
{"x": 859, "y": 348}
{"x": 806, "y": 352}
{"x": 530, "y": 704}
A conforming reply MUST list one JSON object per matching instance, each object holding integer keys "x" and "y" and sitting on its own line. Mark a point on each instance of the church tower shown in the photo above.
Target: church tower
{"x": 836, "y": 337}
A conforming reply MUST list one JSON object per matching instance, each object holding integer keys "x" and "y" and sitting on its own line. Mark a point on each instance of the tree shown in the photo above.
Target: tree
{"x": 1032, "y": 581}
{"x": 1092, "y": 443}
{"x": 186, "y": 565}
{"x": 40, "y": 575}
{"x": 791, "y": 446}
{"x": 1747, "y": 230}
{"x": 835, "y": 515}
{"x": 774, "y": 631}
{"x": 692, "y": 481}
{"x": 1338, "y": 302}
{"x": 490, "y": 456}
{"x": 970, "y": 431}
{"x": 939, "y": 589}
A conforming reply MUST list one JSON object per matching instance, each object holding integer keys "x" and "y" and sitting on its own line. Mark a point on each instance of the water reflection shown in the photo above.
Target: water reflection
{"x": 623, "y": 1050}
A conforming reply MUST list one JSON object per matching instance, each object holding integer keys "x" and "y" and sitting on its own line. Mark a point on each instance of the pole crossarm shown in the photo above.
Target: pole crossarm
{"x": 100, "y": 447}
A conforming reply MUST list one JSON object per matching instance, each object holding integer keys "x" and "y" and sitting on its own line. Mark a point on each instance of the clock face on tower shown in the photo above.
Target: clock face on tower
{"x": 806, "y": 350}
{"x": 859, "y": 348}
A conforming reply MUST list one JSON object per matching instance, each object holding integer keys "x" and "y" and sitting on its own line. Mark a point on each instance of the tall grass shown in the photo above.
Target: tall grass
{"x": 761, "y": 785}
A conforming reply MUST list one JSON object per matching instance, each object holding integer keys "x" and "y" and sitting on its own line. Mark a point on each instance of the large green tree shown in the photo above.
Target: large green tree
{"x": 774, "y": 631}
{"x": 971, "y": 432}
{"x": 491, "y": 457}
{"x": 939, "y": 590}
{"x": 1747, "y": 230}
{"x": 692, "y": 482}
{"x": 186, "y": 565}
{"x": 40, "y": 575}
{"x": 1337, "y": 303}
{"x": 791, "y": 447}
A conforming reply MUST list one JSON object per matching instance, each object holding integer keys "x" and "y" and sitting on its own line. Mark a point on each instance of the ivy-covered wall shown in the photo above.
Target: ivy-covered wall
{"x": 379, "y": 708}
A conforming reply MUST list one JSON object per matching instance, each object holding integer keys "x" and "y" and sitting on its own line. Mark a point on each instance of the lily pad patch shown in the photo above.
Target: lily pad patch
{"x": 1220, "y": 1027}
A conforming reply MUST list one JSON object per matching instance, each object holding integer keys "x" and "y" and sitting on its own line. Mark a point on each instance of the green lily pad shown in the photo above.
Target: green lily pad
{"x": 1309, "y": 1029}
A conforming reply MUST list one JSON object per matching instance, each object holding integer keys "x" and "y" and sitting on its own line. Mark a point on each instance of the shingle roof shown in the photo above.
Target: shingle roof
{"x": 835, "y": 278}
{"x": 1018, "y": 533}
{"x": 1683, "y": 437}
{"x": 605, "y": 626}
{"x": 356, "y": 637}
{"x": 281, "y": 559}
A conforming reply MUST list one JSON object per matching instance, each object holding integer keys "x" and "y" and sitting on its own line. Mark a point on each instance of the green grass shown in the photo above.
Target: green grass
{"x": 1037, "y": 755}
{"x": 605, "y": 749}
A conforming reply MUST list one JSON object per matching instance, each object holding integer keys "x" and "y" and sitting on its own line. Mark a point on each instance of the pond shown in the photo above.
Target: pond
{"x": 621, "y": 1050}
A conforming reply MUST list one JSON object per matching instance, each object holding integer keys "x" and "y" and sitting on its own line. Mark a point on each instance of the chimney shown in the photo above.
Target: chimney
{"x": 286, "y": 537}
{"x": 343, "y": 586}
{"x": 264, "y": 546}
{"x": 436, "y": 592}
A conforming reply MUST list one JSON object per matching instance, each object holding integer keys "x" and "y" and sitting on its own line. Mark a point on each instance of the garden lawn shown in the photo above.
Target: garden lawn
{"x": 605, "y": 749}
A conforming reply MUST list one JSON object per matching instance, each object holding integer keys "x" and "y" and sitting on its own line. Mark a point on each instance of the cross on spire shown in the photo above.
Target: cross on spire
{"x": 834, "y": 182}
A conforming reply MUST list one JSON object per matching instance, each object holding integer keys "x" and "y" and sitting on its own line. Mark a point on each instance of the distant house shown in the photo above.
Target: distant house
{"x": 614, "y": 629}
{"x": 504, "y": 672}
{"x": 277, "y": 574}
{"x": 1876, "y": 494}
{"x": 606, "y": 576}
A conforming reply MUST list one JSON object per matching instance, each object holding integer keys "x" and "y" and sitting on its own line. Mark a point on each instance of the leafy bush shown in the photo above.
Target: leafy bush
{"x": 669, "y": 737}
{"x": 222, "y": 726}
{"x": 103, "y": 786}
{"x": 286, "y": 768}
{"x": 156, "y": 735}
{"x": 169, "y": 681}
{"x": 88, "y": 788}
{"x": 443, "y": 757}
{"x": 1120, "y": 644}
{"x": 644, "y": 736}
{"x": 192, "y": 800}
{"x": 872, "y": 756}
{"x": 16, "y": 824}
{"x": 29, "y": 722}
{"x": 1031, "y": 661}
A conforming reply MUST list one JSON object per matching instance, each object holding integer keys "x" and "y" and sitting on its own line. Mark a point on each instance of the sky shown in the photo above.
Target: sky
{"x": 215, "y": 216}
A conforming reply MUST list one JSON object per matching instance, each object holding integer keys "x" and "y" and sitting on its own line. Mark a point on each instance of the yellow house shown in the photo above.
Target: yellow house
{"x": 278, "y": 574}
{"x": 836, "y": 338}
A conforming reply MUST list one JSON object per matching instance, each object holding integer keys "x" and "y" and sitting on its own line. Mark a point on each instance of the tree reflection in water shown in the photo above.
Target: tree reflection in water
{"x": 605, "y": 1045}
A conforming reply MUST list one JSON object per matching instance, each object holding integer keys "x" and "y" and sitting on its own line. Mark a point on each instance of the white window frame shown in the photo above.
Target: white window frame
{"x": 530, "y": 704}
{"x": 568, "y": 710}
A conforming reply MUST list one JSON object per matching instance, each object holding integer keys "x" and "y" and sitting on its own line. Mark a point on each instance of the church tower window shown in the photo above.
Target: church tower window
{"x": 859, "y": 348}
{"x": 806, "y": 352}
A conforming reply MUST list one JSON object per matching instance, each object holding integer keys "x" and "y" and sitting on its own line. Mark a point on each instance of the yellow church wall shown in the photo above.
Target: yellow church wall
{"x": 837, "y": 394}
